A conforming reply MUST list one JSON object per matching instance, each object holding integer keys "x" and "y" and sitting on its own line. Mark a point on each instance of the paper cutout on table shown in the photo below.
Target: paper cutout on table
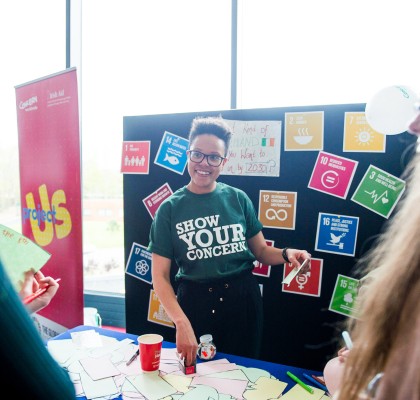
{"x": 87, "y": 339}
{"x": 152, "y": 386}
{"x": 206, "y": 368}
{"x": 265, "y": 388}
{"x": 129, "y": 392}
{"x": 62, "y": 350}
{"x": 180, "y": 383}
{"x": 169, "y": 355}
{"x": 236, "y": 374}
{"x": 78, "y": 388}
{"x": 235, "y": 388}
{"x": 19, "y": 254}
{"x": 102, "y": 372}
{"x": 200, "y": 392}
{"x": 171, "y": 369}
{"x": 99, "y": 388}
{"x": 253, "y": 374}
{"x": 299, "y": 393}
{"x": 99, "y": 368}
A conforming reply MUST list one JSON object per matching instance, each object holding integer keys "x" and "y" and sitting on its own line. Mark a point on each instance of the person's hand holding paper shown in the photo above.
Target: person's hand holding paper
{"x": 295, "y": 271}
{"x": 20, "y": 254}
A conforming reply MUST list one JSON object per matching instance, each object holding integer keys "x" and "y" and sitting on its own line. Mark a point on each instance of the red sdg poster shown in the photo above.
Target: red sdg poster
{"x": 307, "y": 284}
{"x": 50, "y": 186}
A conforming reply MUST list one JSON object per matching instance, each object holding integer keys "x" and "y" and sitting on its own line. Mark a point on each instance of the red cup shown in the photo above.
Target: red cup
{"x": 150, "y": 346}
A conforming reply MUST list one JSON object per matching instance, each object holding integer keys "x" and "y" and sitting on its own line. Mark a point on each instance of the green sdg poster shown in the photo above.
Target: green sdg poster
{"x": 344, "y": 296}
{"x": 379, "y": 191}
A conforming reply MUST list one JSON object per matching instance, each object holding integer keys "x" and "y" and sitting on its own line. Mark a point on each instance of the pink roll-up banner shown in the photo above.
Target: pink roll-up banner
{"x": 50, "y": 187}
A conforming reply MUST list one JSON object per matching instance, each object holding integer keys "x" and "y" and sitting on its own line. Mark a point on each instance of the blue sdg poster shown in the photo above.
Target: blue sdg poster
{"x": 337, "y": 234}
{"x": 172, "y": 153}
{"x": 139, "y": 263}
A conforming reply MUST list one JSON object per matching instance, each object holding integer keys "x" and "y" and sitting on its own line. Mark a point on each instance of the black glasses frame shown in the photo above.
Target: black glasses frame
{"x": 212, "y": 159}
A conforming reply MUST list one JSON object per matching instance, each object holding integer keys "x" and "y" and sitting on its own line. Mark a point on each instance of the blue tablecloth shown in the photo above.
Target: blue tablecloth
{"x": 277, "y": 370}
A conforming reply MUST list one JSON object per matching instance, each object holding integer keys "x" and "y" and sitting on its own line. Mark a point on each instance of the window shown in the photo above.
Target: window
{"x": 303, "y": 52}
{"x": 137, "y": 57}
{"x": 33, "y": 45}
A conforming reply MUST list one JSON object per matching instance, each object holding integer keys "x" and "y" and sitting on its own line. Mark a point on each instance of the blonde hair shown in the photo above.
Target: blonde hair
{"x": 390, "y": 299}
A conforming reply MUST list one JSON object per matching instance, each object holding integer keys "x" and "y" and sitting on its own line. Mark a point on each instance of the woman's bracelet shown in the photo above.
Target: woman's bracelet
{"x": 284, "y": 254}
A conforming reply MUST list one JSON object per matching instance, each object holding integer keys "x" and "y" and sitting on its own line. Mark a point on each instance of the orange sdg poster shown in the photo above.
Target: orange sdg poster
{"x": 50, "y": 186}
{"x": 277, "y": 209}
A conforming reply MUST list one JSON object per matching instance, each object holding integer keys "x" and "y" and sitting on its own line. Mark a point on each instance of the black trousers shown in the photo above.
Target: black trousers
{"x": 229, "y": 309}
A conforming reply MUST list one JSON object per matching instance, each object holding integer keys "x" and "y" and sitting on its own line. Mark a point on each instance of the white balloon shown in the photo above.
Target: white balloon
{"x": 391, "y": 109}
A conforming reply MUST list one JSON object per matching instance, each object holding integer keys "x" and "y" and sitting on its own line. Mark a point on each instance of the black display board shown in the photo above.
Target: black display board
{"x": 299, "y": 330}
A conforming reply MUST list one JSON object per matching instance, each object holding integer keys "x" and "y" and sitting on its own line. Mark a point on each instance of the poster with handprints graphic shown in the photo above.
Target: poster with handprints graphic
{"x": 172, "y": 153}
{"x": 135, "y": 157}
{"x": 277, "y": 209}
{"x": 379, "y": 191}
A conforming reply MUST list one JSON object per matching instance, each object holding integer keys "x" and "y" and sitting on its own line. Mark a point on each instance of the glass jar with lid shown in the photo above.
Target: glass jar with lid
{"x": 206, "y": 349}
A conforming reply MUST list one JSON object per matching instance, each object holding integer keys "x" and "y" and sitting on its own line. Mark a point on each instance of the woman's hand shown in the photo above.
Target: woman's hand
{"x": 186, "y": 343}
{"x": 297, "y": 257}
{"x": 343, "y": 354}
{"x": 34, "y": 282}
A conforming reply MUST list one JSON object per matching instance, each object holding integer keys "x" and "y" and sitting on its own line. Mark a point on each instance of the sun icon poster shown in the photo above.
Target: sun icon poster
{"x": 360, "y": 136}
{"x": 304, "y": 131}
{"x": 379, "y": 191}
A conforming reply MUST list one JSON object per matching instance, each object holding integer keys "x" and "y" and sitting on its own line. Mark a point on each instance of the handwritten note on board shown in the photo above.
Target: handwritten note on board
{"x": 19, "y": 254}
{"x": 254, "y": 149}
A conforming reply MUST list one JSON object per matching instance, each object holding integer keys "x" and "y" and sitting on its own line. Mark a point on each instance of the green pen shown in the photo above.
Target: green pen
{"x": 297, "y": 380}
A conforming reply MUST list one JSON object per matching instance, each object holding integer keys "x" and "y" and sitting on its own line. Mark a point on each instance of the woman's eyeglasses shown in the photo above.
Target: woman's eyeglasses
{"x": 212, "y": 159}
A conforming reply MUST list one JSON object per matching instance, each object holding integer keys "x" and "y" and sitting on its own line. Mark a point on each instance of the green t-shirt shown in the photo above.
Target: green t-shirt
{"x": 206, "y": 234}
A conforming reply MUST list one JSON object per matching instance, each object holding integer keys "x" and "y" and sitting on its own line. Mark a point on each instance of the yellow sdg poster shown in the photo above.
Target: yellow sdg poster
{"x": 277, "y": 209}
{"x": 304, "y": 131}
{"x": 19, "y": 254}
{"x": 157, "y": 313}
{"x": 360, "y": 136}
